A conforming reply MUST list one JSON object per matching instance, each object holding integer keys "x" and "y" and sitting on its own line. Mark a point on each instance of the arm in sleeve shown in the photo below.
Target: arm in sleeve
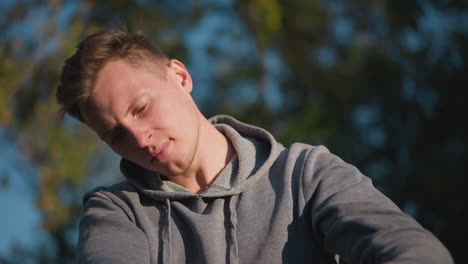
{"x": 107, "y": 234}
{"x": 354, "y": 220}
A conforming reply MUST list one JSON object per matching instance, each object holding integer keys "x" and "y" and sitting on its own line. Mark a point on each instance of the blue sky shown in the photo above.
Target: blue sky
{"x": 20, "y": 222}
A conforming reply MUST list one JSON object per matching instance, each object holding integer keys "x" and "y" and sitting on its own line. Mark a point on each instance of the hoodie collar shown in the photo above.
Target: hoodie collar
{"x": 256, "y": 152}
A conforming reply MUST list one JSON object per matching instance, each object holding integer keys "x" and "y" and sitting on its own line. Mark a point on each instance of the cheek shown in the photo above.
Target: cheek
{"x": 159, "y": 116}
{"x": 123, "y": 149}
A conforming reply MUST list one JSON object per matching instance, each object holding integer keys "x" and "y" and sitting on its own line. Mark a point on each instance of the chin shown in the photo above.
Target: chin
{"x": 174, "y": 170}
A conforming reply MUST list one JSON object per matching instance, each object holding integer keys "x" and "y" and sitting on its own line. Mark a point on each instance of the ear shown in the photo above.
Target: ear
{"x": 181, "y": 75}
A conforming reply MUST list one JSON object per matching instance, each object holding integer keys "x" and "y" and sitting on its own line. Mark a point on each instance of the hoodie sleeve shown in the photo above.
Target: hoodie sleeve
{"x": 107, "y": 234}
{"x": 354, "y": 220}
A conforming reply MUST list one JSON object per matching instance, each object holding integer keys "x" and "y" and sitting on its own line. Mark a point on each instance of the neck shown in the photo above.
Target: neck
{"x": 214, "y": 152}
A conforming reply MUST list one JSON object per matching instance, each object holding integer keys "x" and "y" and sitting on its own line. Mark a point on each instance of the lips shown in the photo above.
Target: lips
{"x": 160, "y": 153}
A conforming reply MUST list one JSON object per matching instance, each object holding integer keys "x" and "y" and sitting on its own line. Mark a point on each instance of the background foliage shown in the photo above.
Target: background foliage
{"x": 379, "y": 82}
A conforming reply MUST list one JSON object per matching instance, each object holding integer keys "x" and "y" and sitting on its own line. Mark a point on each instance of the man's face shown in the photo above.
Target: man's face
{"x": 145, "y": 118}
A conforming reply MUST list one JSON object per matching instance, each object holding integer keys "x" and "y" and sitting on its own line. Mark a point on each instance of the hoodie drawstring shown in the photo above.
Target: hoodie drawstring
{"x": 234, "y": 250}
{"x": 167, "y": 234}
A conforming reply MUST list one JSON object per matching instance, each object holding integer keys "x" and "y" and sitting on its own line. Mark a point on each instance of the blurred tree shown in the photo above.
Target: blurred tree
{"x": 31, "y": 54}
{"x": 377, "y": 81}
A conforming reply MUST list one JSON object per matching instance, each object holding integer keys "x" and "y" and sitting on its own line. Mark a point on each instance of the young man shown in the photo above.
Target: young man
{"x": 218, "y": 190}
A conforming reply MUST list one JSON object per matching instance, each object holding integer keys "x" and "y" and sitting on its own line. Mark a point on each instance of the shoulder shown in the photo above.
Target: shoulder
{"x": 318, "y": 153}
{"x": 115, "y": 192}
{"x": 309, "y": 158}
{"x": 320, "y": 170}
{"x": 120, "y": 197}
{"x": 109, "y": 231}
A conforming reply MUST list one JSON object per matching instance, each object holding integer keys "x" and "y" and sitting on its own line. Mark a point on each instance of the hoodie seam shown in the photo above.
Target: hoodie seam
{"x": 304, "y": 164}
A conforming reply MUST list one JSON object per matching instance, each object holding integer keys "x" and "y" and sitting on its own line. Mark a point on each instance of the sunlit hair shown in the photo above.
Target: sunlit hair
{"x": 80, "y": 72}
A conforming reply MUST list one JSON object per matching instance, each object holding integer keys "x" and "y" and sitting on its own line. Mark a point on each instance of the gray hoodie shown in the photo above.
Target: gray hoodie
{"x": 270, "y": 204}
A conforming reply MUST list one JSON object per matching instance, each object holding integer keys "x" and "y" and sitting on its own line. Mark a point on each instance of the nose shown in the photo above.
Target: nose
{"x": 141, "y": 136}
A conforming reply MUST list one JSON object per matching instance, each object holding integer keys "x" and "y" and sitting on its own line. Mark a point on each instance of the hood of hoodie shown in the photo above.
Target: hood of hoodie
{"x": 256, "y": 151}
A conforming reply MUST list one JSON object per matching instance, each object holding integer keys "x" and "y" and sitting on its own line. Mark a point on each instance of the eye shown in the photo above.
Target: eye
{"x": 139, "y": 110}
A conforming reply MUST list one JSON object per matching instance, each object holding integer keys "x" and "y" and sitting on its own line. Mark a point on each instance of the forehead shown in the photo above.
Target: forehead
{"x": 114, "y": 78}
{"x": 118, "y": 82}
{"x": 117, "y": 86}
